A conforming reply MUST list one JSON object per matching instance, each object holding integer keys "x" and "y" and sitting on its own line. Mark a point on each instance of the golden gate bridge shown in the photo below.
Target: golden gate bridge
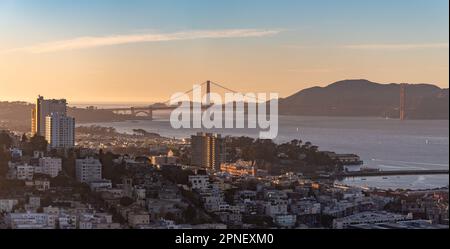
{"x": 147, "y": 111}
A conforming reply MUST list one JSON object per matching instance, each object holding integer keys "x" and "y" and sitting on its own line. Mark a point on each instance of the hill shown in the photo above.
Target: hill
{"x": 17, "y": 115}
{"x": 366, "y": 98}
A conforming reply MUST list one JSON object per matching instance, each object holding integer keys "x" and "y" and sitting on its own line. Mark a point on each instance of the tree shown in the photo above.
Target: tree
{"x": 24, "y": 138}
{"x": 292, "y": 149}
{"x": 110, "y": 170}
{"x": 68, "y": 165}
{"x": 5, "y": 140}
{"x": 170, "y": 216}
{"x": 61, "y": 181}
{"x": 265, "y": 150}
{"x": 126, "y": 201}
{"x": 248, "y": 153}
{"x": 35, "y": 143}
{"x": 176, "y": 175}
{"x": 5, "y": 157}
{"x": 190, "y": 214}
{"x": 229, "y": 195}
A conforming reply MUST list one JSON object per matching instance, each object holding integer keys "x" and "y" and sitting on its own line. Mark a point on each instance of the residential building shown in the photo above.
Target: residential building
{"x": 239, "y": 168}
{"x": 97, "y": 221}
{"x": 286, "y": 221}
{"x": 34, "y": 202}
{"x": 208, "y": 150}
{"x": 50, "y": 166}
{"x": 60, "y": 131}
{"x": 44, "y": 108}
{"x": 100, "y": 185}
{"x": 369, "y": 218}
{"x": 30, "y": 221}
{"x": 199, "y": 182}
{"x": 24, "y": 172}
{"x": 7, "y": 205}
{"x": 39, "y": 184}
{"x": 139, "y": 218}
{"x": 88, "y": 170}
{"x": 168, "y": 159}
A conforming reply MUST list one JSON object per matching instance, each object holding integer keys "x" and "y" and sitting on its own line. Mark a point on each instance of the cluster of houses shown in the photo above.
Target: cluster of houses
{"x": 235, "y": 196}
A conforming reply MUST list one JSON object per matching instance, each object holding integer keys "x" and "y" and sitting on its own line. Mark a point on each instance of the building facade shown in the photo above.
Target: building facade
{"x": 44, "y": 108}
{"x": 88, "y": 170}
{"x": 24, "y": 172}
{"x": 60, "y": 131}
{"x": 50, "y": 166}
{"x": 208, "y": 150}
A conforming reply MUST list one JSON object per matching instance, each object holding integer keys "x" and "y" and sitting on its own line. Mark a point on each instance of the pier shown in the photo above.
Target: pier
{"x": 392, "y": 173}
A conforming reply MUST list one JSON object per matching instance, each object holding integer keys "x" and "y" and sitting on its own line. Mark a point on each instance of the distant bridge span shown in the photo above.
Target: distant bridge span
{"x": 148, "y": 110}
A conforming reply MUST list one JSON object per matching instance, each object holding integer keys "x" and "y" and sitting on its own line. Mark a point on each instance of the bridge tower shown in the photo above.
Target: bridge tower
{"x": 150, "y": 113}
{"x": 403, "y": 101}
{"x": 208, "y": 92}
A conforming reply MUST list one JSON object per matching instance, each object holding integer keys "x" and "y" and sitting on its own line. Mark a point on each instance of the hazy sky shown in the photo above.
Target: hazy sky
{"x": 137, "y": 51}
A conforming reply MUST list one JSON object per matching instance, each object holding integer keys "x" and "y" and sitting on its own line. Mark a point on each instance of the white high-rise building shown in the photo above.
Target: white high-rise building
{"x": 60, "y": 131}
{"x": 88, "y": 170}
{"x": 50, "y": 166}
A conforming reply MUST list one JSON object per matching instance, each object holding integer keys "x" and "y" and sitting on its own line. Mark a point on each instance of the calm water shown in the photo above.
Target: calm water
{"x": 386, "y": 144}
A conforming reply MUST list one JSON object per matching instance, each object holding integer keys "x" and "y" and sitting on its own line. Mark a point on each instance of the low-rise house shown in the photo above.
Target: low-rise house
{"x": 97, "y": 221}
{"x": 23, "y": 171}
{"x": 138, "y": 218}
{"x": 199, "y": 182}
{"x": 39, "y": 184}
{"x": 285, "y": 221}
{"x": 275, "y": 207}
{"x": 231, "y": 218}
{"x": 100, "y": 185}
{"x": 30, "y": 221}
{"x": 7, "y": 205}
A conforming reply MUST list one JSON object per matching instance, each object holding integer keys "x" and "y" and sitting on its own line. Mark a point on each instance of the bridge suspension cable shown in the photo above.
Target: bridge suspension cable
{"x": 231, "y": 90}
{"x": 225, "y": 88}
{"x": 213, "y": 83}
{"x": 187, "y": 92}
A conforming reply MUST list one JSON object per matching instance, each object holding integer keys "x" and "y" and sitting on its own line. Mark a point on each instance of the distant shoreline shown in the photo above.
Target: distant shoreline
{"x": 282, "y": 115}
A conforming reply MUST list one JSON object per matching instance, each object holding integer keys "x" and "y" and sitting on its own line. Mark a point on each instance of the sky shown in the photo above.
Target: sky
{"x": 93, "y": 51}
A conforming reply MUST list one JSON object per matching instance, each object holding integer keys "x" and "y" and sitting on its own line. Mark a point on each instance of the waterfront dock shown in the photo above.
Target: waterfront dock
{"x": 393, "y": 173}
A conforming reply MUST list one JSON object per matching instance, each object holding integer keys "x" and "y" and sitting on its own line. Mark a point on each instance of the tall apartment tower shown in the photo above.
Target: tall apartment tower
{"x": 44, "y": 108}
{"x": 208, "y": 150}
{"x": 60, "y": 131}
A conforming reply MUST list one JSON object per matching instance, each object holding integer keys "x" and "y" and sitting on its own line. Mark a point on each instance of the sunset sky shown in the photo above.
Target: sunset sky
{"x": 143, "y": 51}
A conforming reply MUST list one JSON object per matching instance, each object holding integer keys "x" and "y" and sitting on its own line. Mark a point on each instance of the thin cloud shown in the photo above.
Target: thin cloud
{"x": 311, "y": 70}
{"x": 101, "y": 41}
{"x": 393, "y": 46}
